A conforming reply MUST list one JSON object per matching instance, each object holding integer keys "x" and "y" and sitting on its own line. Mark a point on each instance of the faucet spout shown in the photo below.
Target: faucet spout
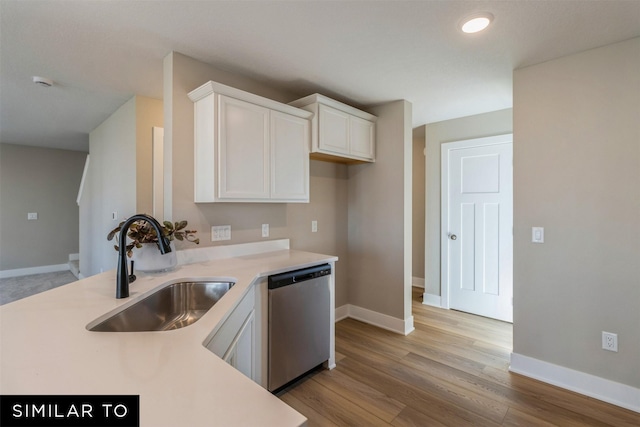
{"x": 122, "y": 278}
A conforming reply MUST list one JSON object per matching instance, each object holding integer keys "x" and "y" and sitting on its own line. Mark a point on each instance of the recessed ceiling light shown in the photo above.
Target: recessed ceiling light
{"x": 476, "y": 22}
{"x": 42, "y": 81}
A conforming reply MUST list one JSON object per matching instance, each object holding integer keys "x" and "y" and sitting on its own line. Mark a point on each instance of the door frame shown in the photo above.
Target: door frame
{"x": 445, "y": 150}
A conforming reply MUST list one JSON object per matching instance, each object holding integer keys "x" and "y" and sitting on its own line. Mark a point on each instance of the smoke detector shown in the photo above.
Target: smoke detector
{"x": 42, "y": 81}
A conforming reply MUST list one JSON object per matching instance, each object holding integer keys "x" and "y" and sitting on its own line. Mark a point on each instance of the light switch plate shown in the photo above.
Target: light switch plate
{"x": 537, "y": 234}
{"x": 314, "y": 226}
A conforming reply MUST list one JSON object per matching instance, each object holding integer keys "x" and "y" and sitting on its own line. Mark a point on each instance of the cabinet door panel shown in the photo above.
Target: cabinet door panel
{"x": 245, "y": 358}
{"x": 362, "y": 137}
{"x": 289, "y": 157}
{"x": 333, "y": 130}
{"x": 224, "y": 338}
{"x": 244, "y": 150}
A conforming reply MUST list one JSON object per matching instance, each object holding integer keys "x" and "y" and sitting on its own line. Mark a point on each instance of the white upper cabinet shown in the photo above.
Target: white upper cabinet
{"x": 248, "y": 148}
{"x": 244, "y": 146}
{"x": 339, "y": 132}
{"x": 333, "y": 130}
{"x": 289, "y": 159}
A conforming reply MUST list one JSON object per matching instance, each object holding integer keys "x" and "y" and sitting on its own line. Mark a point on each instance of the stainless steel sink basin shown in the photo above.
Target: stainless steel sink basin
{"x": 172, "y": 307}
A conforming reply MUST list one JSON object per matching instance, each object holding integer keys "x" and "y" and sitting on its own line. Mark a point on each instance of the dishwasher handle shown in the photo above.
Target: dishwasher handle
{"x": 297, "y": 276}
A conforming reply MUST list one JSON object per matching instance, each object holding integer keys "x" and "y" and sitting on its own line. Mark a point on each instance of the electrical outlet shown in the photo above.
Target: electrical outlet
{"x": 314, "y": 226}
{"x": 537, "y": 234}
{"x": 609, "y": 341}
{"x": 220, "y": 232}
{"x": 32, "y": 216}
{"x": 265, "y": 230}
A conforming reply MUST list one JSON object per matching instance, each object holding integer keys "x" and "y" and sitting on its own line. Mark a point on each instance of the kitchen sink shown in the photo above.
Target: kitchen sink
{"x": 172, "y": 307}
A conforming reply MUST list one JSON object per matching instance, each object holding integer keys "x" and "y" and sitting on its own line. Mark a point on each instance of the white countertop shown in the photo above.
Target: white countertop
{"x": 46, "y": 349}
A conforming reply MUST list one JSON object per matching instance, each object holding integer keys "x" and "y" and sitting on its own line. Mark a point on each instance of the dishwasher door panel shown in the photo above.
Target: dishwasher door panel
{"x": 299, "y": 329}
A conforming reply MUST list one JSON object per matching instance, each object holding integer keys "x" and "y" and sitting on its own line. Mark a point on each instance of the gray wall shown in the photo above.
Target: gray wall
{"x": 478, "y": 126}
{"x": 380, "y": 218}
{"x": 419, "y": 195}
{"x": 577, "y": 173}
{"x": 333, "y": 195}
{"x": 45, "y": 181}
{"x": 328, "y": 184}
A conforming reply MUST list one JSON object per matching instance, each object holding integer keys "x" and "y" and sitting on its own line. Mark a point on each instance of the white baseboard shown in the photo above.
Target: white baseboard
{"x": 342, "y": 312}
{"x": 599, "y": 388}
{"x": 418, "y": 282}
{"x": 393, "y": 324}
{"x": 17, "y": 272}
{"x": 431, "y": 299}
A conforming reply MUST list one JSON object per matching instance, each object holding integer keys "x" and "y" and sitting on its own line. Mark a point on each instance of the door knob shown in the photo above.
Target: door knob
{"x": 453, "y": 236}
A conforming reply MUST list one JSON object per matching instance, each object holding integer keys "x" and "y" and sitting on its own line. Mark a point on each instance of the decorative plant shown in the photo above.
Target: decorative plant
{"x": 141, "y": 232}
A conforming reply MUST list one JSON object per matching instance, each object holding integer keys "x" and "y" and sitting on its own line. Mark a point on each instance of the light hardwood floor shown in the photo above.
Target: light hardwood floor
{"x": 451, "y": 371}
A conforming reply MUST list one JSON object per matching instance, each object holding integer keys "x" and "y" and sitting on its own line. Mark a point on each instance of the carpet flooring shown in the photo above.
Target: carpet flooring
{"x": 15, "y": 288}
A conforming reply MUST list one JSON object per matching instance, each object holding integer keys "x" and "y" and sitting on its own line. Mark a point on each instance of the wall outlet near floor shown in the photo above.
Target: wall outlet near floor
{"x": 220, "y": 232}
{"x": 609, "y": 341}
{"x": 314, "y": 226}
{"x": 265, "y": 230}
{"x": 32, "y": 216}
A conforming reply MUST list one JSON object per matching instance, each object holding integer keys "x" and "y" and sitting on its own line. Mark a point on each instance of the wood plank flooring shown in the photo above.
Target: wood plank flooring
{"x": 451, "y": 371}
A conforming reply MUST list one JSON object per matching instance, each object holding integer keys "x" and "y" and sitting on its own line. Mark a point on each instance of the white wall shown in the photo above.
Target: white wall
{"x": 120, "y": 150}
{"x": 577, "y": 173}
{"x": 112, "y": 177}
{"x": 478, "y": 126}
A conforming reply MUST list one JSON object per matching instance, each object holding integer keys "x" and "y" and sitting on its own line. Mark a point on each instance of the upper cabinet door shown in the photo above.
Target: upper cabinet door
{"x": 362, "y": 138}
{"x": 339, "y": 132}
{"x": 243, "y": 149}
{"x": 290, "y": 137}
{"x": 333, "y": 130}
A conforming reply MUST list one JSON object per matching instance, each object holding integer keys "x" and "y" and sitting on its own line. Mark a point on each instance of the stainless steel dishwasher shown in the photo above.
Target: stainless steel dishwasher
{"x": 299, "y": 325}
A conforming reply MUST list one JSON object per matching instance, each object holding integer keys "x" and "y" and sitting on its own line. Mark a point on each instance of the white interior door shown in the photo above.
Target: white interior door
{"x": 477, "y": 226}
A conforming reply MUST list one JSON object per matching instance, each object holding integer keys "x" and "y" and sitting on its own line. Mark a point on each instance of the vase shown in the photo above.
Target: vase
{"x": 149, "y": 259}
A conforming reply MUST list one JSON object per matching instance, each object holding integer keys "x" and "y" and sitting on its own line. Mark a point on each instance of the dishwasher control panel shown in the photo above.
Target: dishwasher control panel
{"x": 295, "y": 276}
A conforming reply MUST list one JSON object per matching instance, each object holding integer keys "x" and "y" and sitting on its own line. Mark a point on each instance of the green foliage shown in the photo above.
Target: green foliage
{"x": 142, "y": 232}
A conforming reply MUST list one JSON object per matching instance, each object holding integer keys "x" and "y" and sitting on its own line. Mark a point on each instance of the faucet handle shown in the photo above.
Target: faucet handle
{"x": 132, "y": 277}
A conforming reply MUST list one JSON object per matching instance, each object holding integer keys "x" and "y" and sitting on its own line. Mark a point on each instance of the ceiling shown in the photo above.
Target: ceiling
{"x": 100, "y": 53}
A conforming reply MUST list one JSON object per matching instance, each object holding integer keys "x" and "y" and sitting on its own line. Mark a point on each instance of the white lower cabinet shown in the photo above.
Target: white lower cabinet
{"x": 237, "y": 340}
{"x": 242, "y": 353}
